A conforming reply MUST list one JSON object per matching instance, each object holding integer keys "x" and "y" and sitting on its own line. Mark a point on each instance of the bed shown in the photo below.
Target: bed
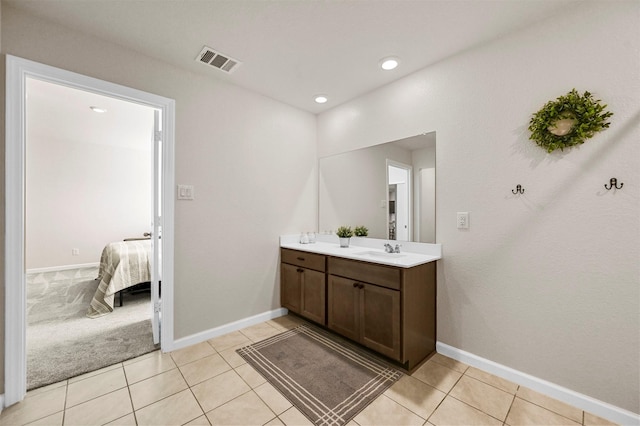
{"x": 123, "y": 264}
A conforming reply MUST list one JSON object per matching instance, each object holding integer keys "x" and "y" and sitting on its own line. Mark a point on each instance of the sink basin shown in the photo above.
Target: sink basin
{"x": 381, "y": 254}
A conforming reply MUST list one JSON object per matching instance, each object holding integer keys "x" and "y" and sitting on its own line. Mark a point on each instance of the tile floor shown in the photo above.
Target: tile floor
{"x": 209, "y": 384}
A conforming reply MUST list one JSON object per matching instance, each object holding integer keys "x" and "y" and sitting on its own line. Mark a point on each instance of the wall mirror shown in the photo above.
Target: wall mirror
{"x": 389, "y": 188}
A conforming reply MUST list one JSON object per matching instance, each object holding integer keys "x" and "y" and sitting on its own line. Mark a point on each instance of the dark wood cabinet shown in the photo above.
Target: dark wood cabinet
{"x": 391, "y": 310}
{"x": 380, "y": 320}
{"x": 343, "y": 307}
{"x": 388, "y": 309}
{"x": 366, "y": 313}
{"x": 302, "y": 289}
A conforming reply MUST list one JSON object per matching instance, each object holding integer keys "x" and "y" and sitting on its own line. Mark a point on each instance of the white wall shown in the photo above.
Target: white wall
{"x": 251, "y": 159}
{"x": 424, "y": 190}
{"x": 88, "y": 175}
{"x": 548, "y": 282}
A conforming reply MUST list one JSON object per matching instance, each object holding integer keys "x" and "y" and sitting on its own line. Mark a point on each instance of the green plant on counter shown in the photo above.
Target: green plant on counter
{"x": 361, "y": 231}
{"x": 568, "y": 121}
{"x": 344, "y": 232}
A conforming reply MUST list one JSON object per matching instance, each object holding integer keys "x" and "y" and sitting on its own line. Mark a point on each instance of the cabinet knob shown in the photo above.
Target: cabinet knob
{"x": 300, "y": 270}
{"x": 300, "y": 259}
{"x": 355, "y": 285}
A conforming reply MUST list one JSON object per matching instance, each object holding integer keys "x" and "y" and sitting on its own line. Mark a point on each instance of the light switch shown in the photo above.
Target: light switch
{"x": 185, "y": 192}
{"x": 463, "y": 220}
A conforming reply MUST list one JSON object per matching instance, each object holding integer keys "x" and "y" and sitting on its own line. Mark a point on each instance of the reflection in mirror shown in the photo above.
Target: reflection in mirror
{"x": 399, "y": 178}
{"x": 360, "y": 188}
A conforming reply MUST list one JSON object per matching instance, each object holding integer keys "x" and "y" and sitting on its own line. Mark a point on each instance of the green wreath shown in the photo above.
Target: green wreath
{"x": 568, "y": 121}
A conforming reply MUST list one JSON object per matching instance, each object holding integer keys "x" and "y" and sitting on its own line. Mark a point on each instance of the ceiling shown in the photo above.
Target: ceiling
{"x": 124, "y": 124}
{"x": 292, "y": 50}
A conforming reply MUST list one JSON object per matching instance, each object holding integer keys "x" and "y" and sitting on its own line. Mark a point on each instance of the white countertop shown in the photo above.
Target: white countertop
{"x": 368, "y": 250}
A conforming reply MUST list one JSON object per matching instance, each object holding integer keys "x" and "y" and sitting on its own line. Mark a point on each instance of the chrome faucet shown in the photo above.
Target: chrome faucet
{"x": 389, "y": 249}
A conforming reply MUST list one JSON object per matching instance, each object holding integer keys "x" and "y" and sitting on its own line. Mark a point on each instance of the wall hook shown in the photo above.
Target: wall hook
{"x": 519, "y": 190}
{"x": 613, "y": 183}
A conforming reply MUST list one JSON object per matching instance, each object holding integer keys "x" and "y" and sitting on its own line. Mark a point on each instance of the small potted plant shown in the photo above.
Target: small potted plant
{"x": 344, "y": 233}
{"x": 361, "y": 231}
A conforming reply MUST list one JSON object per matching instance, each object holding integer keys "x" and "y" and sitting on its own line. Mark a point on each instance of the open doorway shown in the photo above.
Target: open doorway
{"x": 399, "y": 178}
{"x": 18, "y": 72}
{"x": 88, "y": 184}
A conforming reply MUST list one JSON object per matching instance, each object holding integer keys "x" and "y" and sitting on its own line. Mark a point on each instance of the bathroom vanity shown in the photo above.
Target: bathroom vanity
{"x": 384, "y": 301}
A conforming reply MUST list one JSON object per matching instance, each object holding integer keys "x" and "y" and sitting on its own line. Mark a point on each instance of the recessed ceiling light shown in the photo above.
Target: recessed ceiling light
{"x": 389, "y": 63}
{"x": 98, "y": 109}
{"x": 321, "y": 99}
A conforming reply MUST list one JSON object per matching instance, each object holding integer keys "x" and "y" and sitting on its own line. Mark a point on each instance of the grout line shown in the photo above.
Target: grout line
{"x": 554, "y": 412}
{"x": 204, "y": 413}
{"x": 480, "y": 380}
{"x": 447, "y": 393}
{"x": 64, "y": 406}
{"x": 510, "y": 407}
{"x": 133, "y": 408}
{"x": 489, "y": 384}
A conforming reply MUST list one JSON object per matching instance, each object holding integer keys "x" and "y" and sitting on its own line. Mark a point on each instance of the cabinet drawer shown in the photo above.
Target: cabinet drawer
{"x": 303, "y": 258}
{"x": 385, "y": 276}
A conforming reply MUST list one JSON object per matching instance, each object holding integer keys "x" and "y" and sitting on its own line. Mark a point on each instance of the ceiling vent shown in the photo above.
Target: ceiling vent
{"x": 218, "y": 60}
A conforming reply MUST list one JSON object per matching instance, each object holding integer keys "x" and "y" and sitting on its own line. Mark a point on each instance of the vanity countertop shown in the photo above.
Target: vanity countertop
{"x": 366, "y": 249}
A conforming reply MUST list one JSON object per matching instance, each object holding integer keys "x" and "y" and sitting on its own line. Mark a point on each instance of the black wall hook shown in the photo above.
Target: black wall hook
{"x": 613, "y": 183}
{"x": 519, "y": 190}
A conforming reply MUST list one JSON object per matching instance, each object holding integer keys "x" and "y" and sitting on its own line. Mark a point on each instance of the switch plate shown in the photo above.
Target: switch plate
{"x": 185, "y": 192}
{"x": 463, "y": 220}
{"x": 75, "y": 252}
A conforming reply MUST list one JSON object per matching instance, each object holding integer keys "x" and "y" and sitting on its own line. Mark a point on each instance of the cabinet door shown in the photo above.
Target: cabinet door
{"x": 313, "y": 296}
{"x": 290, "y": 287}
{"x": 380, "y": 320}
{"x": 343, "y": 305}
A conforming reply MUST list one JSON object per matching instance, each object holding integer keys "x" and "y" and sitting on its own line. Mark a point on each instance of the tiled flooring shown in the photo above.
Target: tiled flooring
{"x": 209, "y": 383}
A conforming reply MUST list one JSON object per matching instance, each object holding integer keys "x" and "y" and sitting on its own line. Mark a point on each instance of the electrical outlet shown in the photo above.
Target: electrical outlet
{"x": 463, "y": 220}
{"x": 75, "y": 252}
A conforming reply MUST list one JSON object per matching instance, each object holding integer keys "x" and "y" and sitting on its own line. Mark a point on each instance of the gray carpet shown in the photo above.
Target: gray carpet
{"x": 327, "y": 378}
{"x": 62, "y": 342}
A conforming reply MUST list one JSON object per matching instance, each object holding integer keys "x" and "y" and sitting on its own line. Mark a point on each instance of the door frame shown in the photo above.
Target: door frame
{"x": 17, "y": 71}
{"x": 409, "y": 169}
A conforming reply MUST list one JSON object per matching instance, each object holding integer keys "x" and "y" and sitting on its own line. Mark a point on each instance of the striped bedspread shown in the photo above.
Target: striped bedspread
{"x": 123, "y": 264}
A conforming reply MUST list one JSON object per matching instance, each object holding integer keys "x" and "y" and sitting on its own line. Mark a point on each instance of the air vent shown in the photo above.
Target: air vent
{"x": 217, "y": 60}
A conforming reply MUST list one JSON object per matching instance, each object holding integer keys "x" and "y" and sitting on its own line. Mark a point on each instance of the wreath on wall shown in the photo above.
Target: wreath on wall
{"x": 569, "y": 120}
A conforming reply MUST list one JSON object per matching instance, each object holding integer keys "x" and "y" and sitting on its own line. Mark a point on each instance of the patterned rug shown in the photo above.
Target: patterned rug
{"x": 327, "y": 378}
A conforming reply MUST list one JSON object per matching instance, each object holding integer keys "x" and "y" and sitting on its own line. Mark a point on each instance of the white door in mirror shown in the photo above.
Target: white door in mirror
{"x": 463, "y": 220}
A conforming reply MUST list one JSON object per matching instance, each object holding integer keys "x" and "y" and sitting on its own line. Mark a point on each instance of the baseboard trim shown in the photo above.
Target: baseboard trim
{"x": 584, "y": 402}
{"x": 62, "y": 268}
{"x": 193, "y": 339}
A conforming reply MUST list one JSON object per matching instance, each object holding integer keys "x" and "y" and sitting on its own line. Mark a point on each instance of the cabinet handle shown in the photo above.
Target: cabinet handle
{"x": 299, "y": 270}
{"x": 360, "y": 286}
{"x": 355, "y": 285}
{"x": 300, "y": 259}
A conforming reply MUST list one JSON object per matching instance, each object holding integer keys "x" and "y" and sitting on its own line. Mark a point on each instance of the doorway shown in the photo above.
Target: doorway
{"x": 88, "y": 186}
{"x": 399, "y": 178}
{"x": 18, "y": 71}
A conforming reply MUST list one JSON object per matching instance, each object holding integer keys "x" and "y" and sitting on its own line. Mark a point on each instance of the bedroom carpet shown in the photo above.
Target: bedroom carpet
{"x": 62, "y": 342}
{"x": 324, "y": 376}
